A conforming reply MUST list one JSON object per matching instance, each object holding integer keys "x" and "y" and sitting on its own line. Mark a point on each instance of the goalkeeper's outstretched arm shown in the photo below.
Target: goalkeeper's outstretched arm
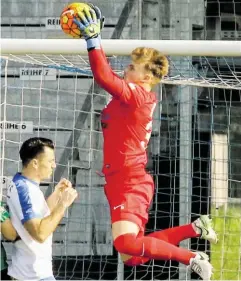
{"x": 148, "y": 65}
{"x": 105, "y": 76}
{"x": 90, "y": 25}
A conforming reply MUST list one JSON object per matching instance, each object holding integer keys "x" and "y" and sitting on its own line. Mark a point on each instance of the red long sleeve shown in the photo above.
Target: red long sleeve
{"x": 113, "y": 84}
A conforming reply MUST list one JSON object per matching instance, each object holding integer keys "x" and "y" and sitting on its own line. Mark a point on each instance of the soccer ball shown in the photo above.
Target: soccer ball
{"x": 67, "y": 16}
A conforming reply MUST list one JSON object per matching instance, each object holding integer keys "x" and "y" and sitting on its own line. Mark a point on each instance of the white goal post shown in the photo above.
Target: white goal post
{"x": 121, "y": 47}
{"x": 194, "y": 63}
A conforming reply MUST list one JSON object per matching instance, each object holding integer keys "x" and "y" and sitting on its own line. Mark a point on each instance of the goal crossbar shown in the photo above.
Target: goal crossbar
{"x": 121, "y": 47}
{"x": 215, "y": 64}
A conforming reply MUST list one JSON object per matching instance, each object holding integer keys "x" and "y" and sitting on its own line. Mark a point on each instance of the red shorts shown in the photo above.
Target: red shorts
{"x": 130, "y": 198}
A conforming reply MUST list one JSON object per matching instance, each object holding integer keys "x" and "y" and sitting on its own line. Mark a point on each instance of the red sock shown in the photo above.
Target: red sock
{"x": 151, "y": 248}
{"x": 176, "y": 234}
{"x": 171, "y": 235}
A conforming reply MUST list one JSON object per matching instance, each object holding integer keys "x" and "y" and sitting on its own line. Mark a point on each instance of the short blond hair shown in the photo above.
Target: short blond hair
{"x": 154, "y": 61}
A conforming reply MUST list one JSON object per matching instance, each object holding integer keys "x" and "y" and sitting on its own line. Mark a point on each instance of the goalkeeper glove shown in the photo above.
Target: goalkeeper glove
{"x": 99, "y": 16}
{"x": 90, "y": 25}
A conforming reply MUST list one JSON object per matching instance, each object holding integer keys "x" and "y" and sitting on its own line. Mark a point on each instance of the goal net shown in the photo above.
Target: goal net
{"x": 48, "y": 90}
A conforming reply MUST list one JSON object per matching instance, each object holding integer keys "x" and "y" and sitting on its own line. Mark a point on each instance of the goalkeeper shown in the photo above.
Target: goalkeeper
{"x": 127, "y": 125}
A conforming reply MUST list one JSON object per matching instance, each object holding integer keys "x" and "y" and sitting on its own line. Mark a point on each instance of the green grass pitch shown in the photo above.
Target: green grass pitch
{"x": 226, "y": 255}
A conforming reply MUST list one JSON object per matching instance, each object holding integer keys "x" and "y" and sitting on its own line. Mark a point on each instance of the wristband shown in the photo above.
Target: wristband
{"x": 93, "y": 43}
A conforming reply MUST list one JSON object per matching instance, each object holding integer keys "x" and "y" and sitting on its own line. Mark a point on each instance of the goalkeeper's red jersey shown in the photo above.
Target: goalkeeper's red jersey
{"x": 126, "y": 120}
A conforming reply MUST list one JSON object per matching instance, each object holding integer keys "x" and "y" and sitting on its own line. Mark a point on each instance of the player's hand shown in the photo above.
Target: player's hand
{"x": 4, "y": 215}
{"x": 68, "y": 196}
{"x": 99, "y": 16}
{"x": 90, "y": 22}
{"x": 62, "y": 185}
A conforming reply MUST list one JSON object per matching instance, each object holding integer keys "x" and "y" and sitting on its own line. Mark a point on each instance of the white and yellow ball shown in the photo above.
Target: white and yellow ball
{"x": 66, "y": 19}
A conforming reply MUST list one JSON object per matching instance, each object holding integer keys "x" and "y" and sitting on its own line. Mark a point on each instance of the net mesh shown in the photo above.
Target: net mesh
{"x": 218, "y": 72}
{"x": 67, "y": 110}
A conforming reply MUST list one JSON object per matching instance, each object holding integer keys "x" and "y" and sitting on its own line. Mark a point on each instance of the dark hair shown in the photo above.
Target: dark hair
{"x": 32, "y": 147}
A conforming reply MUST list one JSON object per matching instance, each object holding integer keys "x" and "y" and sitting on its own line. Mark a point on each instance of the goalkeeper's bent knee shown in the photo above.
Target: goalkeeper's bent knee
{"x": 126, "y": 244}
